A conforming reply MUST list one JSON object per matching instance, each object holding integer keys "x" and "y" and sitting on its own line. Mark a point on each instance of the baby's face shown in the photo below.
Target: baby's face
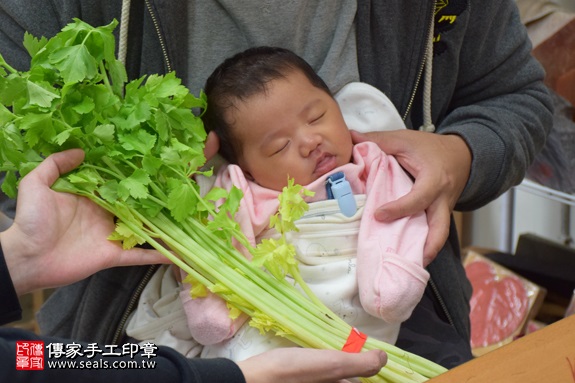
{"x": 295, "y": 130}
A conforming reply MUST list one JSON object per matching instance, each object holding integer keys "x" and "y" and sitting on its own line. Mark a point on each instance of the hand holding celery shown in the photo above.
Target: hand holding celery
{"x": 143, "y": 144}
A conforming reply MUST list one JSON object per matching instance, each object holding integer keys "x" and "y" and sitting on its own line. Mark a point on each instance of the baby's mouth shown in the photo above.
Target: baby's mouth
{"x": 324, "y": 164}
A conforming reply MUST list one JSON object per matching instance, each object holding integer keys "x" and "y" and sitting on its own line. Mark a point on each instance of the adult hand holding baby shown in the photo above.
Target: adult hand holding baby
{"x": 440, "y": 165}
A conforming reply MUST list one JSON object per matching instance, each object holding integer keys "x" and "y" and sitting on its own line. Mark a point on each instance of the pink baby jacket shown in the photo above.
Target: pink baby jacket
{"x": 390, "y": 274}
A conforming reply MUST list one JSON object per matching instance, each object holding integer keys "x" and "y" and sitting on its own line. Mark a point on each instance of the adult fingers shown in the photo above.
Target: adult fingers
{"x": 421, "y": 196}
{"x": 394, "y": 141}
{"x": 358, "y": 137}
{"x": 438, "y": 219}
{"x": 137, "y": 257}
{"x": 311, "y": 366}
{"x": 376, "y": 137}
{"x": 362, "y": 364}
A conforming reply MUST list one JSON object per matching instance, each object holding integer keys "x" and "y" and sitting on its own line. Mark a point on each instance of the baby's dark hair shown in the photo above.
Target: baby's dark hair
{"x": 242, "y": 76}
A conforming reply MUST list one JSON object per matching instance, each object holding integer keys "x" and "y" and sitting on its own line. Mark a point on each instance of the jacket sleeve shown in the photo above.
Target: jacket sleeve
{"x": 10, "y": 309}
{"x": 486, "y": 86}
{"x": 390, "y": 272}
{"x": 500, "y": 105}
{"x": 169, "y": 365}
{"x": 166, "y": 366}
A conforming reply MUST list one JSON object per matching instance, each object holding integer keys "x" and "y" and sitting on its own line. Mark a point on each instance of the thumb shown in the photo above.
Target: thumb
{"x": 409, "y": 204}
{"x": 377, "y": 137}
{"x": 138, "y": 256}
{"x": 48, "y": 171}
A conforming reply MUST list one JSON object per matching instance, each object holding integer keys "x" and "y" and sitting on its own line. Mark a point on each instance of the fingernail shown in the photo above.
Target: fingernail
{"x": 383, "y": 357}
{"x": 380, "y": 215}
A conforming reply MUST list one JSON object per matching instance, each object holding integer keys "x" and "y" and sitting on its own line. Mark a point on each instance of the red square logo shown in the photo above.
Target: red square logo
{"x": 29, "y": 355}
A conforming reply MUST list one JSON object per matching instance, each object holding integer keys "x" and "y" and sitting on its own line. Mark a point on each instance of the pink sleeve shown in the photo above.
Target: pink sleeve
{"x": 390, "y": 271}
{"x": 208, "y": 318}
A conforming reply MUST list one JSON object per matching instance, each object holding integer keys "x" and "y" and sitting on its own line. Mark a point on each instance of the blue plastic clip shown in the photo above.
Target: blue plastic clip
{"x": 337, "y": 187}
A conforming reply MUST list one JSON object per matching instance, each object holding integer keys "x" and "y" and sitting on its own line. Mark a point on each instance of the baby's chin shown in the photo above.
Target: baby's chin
{"x": 278, "y": 186}
{"x": 302, "y": 179}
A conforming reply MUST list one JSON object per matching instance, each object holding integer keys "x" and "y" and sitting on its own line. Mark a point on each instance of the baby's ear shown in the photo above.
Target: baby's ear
{"x": 212, "y": 145}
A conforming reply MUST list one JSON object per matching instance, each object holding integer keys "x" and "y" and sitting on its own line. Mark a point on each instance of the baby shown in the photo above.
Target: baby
{"x": 276, "y": 118}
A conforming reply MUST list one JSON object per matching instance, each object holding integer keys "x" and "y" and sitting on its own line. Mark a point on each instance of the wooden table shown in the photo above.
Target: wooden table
{"x": 544, "y": 356}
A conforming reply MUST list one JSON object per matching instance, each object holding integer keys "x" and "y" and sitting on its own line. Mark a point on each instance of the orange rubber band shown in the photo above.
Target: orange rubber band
{"x": 355, "y": 341}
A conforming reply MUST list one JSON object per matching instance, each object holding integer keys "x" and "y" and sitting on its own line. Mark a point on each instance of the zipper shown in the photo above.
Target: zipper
{"x": 441, "y": 302}
{"x": 422, "y": 66}
{"x": 132, "y": 303}
{"x": 160, "y": 36}
{"x": 409, "y": 106}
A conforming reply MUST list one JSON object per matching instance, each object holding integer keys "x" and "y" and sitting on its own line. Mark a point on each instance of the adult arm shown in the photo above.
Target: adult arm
{"x": 305, "y": 365}
{"x": 500, "y": 106}
{"x": 10, "y": 309}
{"x": 440, "y": 166}
{"x": 490, "y": 107}
{"x": 169, "y": 365}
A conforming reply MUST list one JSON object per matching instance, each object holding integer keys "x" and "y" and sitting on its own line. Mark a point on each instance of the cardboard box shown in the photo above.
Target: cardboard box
{"x": 547, "y": 355}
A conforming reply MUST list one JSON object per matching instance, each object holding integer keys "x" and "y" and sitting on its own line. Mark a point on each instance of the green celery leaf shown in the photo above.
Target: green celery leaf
{"x": 109, "y": 191}
{"x": 13, "y": 88}
{"x": 33, "y": 44}
{"x": 6, "y": 115}
{"x": 38, "y": 128}
{"x": 118, "y": 76}
{"x": 151, "y": 208}
{"x": 223, "y": 227}
{"x": 292, "y": 207}
{"x": 86, "y": 105}
{"x": 9, "y": 184}
{"x": 140, "y": 141}
{"x": 102, "y": 41}
{"x": 126, "y": 235}
{"x": 151, "y": 164}
{"x": 64, "y": 135}
{"x": 214, "y": 195}
{"x": 265, "y": 323}
{"x": 75, "y": 63}
{"x": 105, "y": 133}
{"x": 136, "y": 185}
{"x": 182, "y": 201}
{"x": 166, "y": 86}
{"x": 27, "y": 167}
{"x": 277, "y": 256}
{"x": 85, "y": 179}
{"x": 198, "y": 290}
{"x": 38, "y": 95}
{"x": 11, "y": 138}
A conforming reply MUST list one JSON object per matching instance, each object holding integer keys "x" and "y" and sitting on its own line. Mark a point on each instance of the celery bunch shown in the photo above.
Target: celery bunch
{"x": 143, "y": 144}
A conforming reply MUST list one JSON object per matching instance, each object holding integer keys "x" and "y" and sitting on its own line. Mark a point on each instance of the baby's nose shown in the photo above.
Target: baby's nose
{"x": 310, "y": 143}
